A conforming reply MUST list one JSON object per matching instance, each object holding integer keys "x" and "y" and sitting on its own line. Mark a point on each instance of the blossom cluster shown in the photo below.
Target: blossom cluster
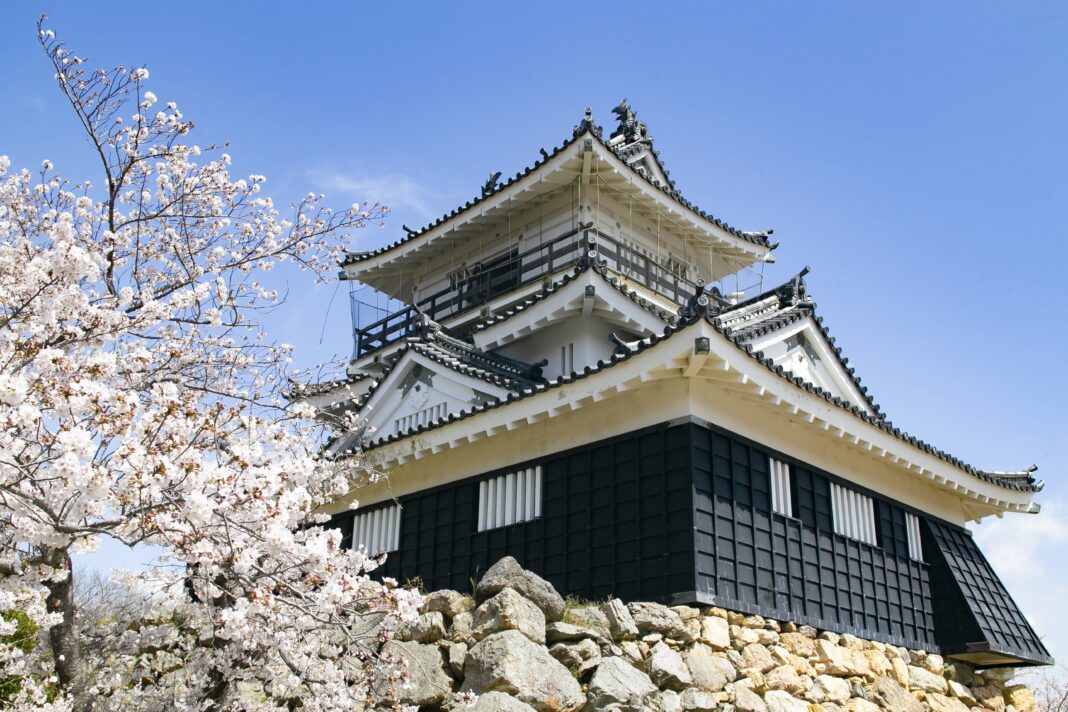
{"x": 141, "y": 400}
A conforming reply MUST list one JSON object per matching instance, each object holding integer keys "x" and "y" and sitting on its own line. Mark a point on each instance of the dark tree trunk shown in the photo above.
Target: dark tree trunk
{"x": 62, "y": 637}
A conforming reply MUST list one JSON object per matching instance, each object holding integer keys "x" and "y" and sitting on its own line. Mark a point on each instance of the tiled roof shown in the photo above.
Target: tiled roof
{"x": 776, "y": 309}
{"x": 567, "y": 278}
{"x": 465, "y": 358}
{"x": 585, "y": 128}
{"x": 1019, "y": 481}
{"x": 526, "y": 392}
{"x": 307, "y": 390}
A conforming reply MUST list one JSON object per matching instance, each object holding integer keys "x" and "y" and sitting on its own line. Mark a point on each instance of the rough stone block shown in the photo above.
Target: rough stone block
{"x": 618, "y": 686}
{"x": 507, "y": 573}
{"x": 667, "y": 669}
{"x": 509, "y": 611}
{"x": 510, "y": 662}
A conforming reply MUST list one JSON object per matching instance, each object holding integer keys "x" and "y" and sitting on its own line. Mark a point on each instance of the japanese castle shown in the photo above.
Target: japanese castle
{"x": 562, "y": 373}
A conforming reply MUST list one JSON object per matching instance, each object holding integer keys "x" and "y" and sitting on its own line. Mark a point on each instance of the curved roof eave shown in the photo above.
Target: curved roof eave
{"x": 1009, "y": 481}
{"x": 583, "y": 131}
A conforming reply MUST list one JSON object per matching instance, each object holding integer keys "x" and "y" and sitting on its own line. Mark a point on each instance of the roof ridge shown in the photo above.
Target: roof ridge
{"x": 585, "y": 128}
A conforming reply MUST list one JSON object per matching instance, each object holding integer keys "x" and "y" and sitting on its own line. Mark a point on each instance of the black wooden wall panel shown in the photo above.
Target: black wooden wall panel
{"x": 617, "y": 520}
{"x": 971, "y": 602}
{"x": 753, "y": 559}
{"x": 675, "y": 510}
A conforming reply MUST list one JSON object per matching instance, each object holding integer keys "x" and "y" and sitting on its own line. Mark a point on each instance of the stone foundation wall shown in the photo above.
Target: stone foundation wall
{"x": 519, "y": 646}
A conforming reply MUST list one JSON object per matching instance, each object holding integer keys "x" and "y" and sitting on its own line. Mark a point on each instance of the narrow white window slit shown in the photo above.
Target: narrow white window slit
{"x": 509, "y": 499}
{"x": 377, "y": 531}
{"x": 781, "y": 496}
{"x": 912, "y": 528}
{"x": 854, "y": 514}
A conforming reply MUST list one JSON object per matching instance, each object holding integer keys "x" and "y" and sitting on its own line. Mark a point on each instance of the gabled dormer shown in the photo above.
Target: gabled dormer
{"x": 781, "y": 324}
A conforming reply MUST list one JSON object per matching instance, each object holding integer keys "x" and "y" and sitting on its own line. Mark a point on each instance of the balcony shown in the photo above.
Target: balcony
{"x": 494, "y": 278}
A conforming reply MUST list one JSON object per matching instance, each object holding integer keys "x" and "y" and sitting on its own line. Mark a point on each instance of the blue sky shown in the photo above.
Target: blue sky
{"x": 912, "y": 154}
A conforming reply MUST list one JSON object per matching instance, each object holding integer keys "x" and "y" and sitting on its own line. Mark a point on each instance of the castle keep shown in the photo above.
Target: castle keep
{"x": 574, "y": 370}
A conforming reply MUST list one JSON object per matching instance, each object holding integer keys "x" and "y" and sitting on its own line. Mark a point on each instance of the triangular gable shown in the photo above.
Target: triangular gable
{"x": 585, "y": 292}
{"x": 803, "y": 350}
{"x": 418, "y": 391}
{"x": 641, "y": 157}
{"x": 781, "y": 326}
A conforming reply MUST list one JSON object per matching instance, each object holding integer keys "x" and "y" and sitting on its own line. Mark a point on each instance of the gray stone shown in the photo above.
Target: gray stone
{"x": 666, "y": 668}
{"x": 990, "y": 697}
{"x": 591, "y": 618}
{"x": 716, "y": 632}
{"x": 620, "y": 687}
{"x": 509, "y": 611}
{"x": 428, "y": 628}
{"x": 687, "y": 613}
{"x": 858, "y": 704}
{"x": 998, "y": 674}
{"x": 655, "y": 618}
{"x": 798, "y": 644}
{"x": 631, "y": 651}
{"x": 507, "y": 573}
{"x": 886, "y": 692}
{"x": 572, "y": 655}
{"x": 430, "y": 684}
{"x": 784, "y": 677}
{"x": 455, "y": 654}
{"x": 925, "y": 680}
{"x": 620, "y": 621}
{"x": 697, "y": 700}
{"x": 497, "y": 702}
{"x": 566, "y": 632}
{"x": 935, "y": 663}
{"x": 462, "y": 624}
{"x": 669, "y": 701}
{"x": 942, "y": 703}
{"x": 961, "y": 672}
{"x": 709, "y": 672}
{"x": 510, "y": 662}
{"x": 584, "y": 670}
{"x": 961, "y": 692}
{"x": 827, "y": 688}
{"x": 745, "y": 700}
{"x": 756, "y": 657}
{"x": 448, "y": 603}
{"x": 780, "y": 701}
{"x": 840, "y": 660}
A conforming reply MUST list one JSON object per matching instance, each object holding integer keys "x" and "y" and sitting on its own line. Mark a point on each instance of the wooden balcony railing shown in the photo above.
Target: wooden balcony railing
{"x": 491, "y": 279}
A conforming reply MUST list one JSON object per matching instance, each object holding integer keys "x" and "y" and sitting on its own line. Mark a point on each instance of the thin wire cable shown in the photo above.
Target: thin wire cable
{"x": 326, "y": 317}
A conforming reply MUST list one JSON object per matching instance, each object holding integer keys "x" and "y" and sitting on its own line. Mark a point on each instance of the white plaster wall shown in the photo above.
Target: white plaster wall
{"x": 588, "y": 334}
{"x": 455, "y": 396}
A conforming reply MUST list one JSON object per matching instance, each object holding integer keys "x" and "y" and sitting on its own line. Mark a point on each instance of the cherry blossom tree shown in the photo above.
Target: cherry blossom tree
{"x": 140, "y": 400}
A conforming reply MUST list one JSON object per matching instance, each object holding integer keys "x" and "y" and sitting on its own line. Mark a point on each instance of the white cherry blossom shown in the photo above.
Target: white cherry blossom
{"x": 140, "y": 401}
